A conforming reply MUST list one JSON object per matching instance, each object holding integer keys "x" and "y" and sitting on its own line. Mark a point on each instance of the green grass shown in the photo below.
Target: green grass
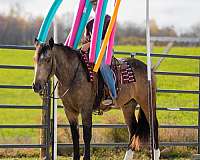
{"x": 174, "y": 82}
{"x": 27, "y": 97}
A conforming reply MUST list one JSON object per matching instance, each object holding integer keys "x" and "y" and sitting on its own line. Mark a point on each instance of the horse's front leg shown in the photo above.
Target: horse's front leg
{"x": 73, "y": 120}
{"x": 87, "y": 132}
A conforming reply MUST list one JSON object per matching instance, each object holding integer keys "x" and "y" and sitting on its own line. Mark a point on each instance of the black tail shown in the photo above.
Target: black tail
{"x": 141, "y": 136}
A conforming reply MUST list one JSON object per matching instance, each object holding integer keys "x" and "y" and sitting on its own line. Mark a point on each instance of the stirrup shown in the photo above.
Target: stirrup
{"x": 112, "y": 104}
{"x": 107, "y": 102}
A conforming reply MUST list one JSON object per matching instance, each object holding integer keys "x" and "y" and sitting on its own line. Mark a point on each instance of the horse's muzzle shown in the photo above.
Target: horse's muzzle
{"x": 37, "y": 87}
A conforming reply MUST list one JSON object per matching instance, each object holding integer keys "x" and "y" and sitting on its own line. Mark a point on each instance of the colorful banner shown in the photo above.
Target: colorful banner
{"x": 109, "y": 52}
{"x": 107, "y": 36}
{"x": 44, "y": 29}
{"x": 95, "y": 31}
{"x": 76, "y": 23}
{"x": 100, "y": 30}
{"x": 84, "y": 19}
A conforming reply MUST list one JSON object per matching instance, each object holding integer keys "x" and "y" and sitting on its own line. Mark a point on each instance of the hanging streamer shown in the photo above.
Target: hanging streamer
{"x": 84, "y": 18}
{"x": 109, "y": 52}
{"x": 95, "y": 31}
{"x": 107, "y": 36}
{"x": 76, "y": 23}
{"x": 101, "y": 27}
{"x": 42, "y": 36}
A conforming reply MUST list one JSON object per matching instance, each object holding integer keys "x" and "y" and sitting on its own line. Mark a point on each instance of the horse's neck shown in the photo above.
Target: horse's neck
{"x": 66, "y": 64}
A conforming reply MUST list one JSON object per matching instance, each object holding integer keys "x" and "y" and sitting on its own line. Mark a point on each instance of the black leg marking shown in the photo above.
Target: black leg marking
{"x": 75, "y": 139}
{"x": 87, "y": 135}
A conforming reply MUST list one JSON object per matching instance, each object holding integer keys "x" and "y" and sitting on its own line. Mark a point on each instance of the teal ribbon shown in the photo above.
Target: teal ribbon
{"x": 44, "y": 29}
{"x": 84, "y": 18}
{"x": 101, "y": 26}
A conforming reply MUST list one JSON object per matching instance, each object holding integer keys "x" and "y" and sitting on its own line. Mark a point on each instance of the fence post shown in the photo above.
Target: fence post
{"x": 45, "y": 120}
{"x": 199, "y": 116}
{"x": 54, "y": 110}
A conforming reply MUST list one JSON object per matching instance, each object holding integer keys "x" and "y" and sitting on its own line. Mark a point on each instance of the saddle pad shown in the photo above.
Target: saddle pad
{"x": 123, "y": 71}
{"x": 127, "y": 74}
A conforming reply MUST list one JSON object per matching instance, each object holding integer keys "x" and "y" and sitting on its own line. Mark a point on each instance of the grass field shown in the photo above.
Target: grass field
{"x": 27, "y": 97}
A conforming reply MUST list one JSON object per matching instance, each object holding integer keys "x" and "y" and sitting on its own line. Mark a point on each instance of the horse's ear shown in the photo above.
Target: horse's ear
{"x": 36, "y": 42}
{"x": 51, "y": 42}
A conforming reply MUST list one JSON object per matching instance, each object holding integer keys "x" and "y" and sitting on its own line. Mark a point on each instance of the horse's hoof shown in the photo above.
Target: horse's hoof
{"x": 129, "y": 155}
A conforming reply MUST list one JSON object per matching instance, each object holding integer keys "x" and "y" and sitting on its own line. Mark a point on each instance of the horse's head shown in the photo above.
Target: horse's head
{"x": 44, "y": 65}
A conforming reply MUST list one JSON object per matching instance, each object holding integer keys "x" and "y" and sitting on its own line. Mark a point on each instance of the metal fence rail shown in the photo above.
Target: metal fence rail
{"x": 197, "y": 109}
{"x": 17, "y": 126}
{"x": 17, "y": 47}
{"x": 23, "y": 146}
{"x": 117, "y": 126}
{"x": 22, "y": 107}
{"x": 16, "y": 67}
{"x": 15, "y": 87}
{"x": 124, "y": 145}
{"x": 178, "y": 74}
{"x": 117, "y": 52}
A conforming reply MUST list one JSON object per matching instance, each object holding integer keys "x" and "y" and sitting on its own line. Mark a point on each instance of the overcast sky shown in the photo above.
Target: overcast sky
{"x": 179, "y": 13}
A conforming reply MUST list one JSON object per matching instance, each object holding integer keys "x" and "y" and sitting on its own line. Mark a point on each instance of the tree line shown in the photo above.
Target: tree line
{"x": 18, "y": 30}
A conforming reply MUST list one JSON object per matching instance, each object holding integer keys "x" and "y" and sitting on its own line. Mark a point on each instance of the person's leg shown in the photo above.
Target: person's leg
{"x": 108, "y": 77}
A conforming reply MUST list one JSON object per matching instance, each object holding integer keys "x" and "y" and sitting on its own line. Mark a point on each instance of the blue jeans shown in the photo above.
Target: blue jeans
{"x": 108, "y": 77}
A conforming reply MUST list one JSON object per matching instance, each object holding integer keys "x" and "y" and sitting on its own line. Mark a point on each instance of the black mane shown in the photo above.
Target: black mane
{"x": 62, "y": 46}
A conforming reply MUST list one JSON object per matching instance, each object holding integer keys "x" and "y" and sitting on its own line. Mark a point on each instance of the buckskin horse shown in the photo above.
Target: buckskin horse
{"x": 78, "y": 96}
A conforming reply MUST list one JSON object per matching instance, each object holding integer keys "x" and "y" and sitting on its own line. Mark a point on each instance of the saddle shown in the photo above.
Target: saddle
{"x": 123, "y": 71}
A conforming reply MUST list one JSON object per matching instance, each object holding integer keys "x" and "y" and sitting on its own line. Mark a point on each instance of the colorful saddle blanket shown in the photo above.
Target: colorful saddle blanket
{"x": 124, "y": 73}
{"x": 87, "y": 66}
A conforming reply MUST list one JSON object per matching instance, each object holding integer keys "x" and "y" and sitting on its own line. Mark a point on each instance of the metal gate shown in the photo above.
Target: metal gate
{"x": 46, "y": 107}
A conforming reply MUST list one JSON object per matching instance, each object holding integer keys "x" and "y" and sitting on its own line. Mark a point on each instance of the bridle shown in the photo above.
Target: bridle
{"x": 45, "y": 88}
{"x": 68, "y": 89}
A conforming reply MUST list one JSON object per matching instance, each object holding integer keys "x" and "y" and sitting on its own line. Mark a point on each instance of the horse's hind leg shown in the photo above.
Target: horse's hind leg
{"x": 129, "y": 116}
{"x": 73, "y": 120}
{"x": 87, "y": 131}
{"x": 143, "y": 130}
{"x": 130, "y": 119}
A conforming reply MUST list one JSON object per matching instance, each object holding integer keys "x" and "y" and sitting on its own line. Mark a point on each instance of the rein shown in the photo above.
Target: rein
{"x": 51, "y": 69}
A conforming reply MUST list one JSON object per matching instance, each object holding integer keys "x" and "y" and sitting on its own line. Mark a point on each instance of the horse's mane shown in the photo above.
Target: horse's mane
{"x": 66, "y": 48}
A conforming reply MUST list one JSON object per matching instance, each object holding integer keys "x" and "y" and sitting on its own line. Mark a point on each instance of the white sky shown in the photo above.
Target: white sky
{"x": 179, "y": 13}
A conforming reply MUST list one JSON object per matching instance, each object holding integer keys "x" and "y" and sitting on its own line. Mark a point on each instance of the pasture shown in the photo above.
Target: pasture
{"x": 27, "y": 97}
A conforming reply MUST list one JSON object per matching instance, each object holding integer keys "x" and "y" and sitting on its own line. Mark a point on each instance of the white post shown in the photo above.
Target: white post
{"x": 55, "y": 100}
{"x": 148, "y": 42}
{"x": 150, "y": 106}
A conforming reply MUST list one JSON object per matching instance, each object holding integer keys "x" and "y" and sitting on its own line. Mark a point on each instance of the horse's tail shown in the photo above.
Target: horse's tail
{"x": 143, "y": 131}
